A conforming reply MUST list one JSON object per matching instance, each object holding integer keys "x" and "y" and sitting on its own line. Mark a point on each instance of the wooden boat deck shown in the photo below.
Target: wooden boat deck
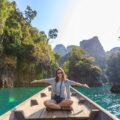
{"x": 39, "y": 111}
{"x": 86, "y": 110}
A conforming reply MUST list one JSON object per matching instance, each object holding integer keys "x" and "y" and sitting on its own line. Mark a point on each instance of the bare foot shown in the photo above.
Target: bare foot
{"x": 67, "y": 108}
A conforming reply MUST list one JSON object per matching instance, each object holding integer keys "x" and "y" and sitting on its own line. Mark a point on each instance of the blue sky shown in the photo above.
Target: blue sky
{"x": 77, "y": 20}
{"x": 49, "y": 12}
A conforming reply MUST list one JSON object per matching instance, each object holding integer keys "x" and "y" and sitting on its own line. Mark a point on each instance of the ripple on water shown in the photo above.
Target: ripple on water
{"x": 115, "y": 109}
{"x": 103, "y": 97}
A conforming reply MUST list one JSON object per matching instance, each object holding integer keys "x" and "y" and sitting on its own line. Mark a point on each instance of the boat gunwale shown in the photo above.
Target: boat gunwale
{"x": 96, "y": 105}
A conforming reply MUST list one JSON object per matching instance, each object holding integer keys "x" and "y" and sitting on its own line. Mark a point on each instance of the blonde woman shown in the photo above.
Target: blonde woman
{"x": 60, "y": 97}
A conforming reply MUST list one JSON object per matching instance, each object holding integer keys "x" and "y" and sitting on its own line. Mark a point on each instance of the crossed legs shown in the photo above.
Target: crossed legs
{"x": 53, "y": 105}
{"x": 66, "y": 103}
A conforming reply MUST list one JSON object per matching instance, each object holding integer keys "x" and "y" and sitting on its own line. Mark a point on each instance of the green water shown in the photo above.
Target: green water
{"x": 10, "y": 97}
{"x": 104, "y": 98}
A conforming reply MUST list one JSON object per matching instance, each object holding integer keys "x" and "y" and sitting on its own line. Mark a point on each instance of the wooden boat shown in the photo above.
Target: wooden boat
{"x": 33, "y": 109}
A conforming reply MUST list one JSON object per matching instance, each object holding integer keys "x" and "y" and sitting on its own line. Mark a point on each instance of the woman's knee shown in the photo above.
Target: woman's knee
{"x": 46, "y": 103}
{"x": 66, "y": 102}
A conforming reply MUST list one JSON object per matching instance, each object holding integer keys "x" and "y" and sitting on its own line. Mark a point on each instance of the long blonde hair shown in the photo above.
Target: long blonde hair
{"x": 64, "y": 76}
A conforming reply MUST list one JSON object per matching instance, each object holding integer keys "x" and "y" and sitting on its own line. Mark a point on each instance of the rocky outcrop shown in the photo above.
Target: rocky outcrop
{"x": 7, "y": 77}
{"x": 70, "y": 47}
{"x": 115, "y": 88}
{"x": 94, "y": 48}
{"x": 113, "y": 51}
{"x": 60, "y": 50}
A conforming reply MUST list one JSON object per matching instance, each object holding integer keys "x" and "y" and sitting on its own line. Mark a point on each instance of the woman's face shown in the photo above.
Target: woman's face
{"x": 59, "y": 74}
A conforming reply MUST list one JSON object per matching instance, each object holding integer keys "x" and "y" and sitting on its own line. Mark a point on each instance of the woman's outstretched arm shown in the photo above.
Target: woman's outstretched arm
{"x": 79, "y": 84}
{"x": 49, "y": 80}
{"x": 38, "y": 81}
{"x": 71, "y": 82}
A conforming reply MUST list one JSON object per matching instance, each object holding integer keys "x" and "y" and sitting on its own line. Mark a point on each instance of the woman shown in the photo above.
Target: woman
{"x": 60, "y": 97}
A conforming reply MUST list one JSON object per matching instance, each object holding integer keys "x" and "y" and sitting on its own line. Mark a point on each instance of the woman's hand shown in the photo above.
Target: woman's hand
{"x": 85, "y": 85}
{"x": 34, "y": 81}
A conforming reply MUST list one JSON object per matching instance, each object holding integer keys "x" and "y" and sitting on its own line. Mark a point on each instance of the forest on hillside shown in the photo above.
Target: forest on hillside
{"x": 25, "y": 52}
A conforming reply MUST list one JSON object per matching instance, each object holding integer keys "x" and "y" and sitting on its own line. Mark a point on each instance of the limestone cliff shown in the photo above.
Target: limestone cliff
{"x": 94, "y": 48}
{"x": 60, "y": 49}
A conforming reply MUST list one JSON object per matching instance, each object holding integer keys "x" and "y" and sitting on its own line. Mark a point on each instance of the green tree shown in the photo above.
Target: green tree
{"x": 30, "y": 14}
{"x": 52, "y": 34}
{"x": 23, "y": 48}
{"x": 6, "y": 9}
{"x": 113, "y": 68}
{"x": 80, "y": 67}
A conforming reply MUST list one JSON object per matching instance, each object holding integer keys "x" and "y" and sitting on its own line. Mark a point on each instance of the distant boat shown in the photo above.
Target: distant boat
{"x": 34, "y": 109}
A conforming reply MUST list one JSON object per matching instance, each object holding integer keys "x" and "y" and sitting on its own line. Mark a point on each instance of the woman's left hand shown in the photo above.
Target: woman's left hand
{"x": 85, "y": 85}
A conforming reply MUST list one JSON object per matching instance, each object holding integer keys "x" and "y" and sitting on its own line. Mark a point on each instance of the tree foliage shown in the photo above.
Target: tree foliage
{"x": 23, "y": 47}
{"x": 52, "y": 34}
{"x": 81, "y": 68}
{"x": 30, "y": 14}
{"x": 6, "y": 10}
{"x": 113, "y": 68}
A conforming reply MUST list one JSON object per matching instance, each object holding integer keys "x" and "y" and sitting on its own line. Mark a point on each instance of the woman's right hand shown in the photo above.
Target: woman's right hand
{"x": 34, "y": 81}
{"x": 85, "y": 85}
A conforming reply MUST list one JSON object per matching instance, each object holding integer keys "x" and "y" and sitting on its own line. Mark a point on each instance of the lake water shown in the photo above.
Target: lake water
{"x": 103, "y": 97}
{"x": 10, "y": 97}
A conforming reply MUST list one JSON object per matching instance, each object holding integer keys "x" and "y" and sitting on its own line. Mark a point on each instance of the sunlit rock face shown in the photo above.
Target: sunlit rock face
{"x": 70, "y": 47}
{"x": 94, "y": 48}
{"x": 113, "y": 51}
{"x": 60, "y": 49}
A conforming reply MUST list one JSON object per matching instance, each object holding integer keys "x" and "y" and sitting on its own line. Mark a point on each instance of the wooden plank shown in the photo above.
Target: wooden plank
{"x": 79, "y": 111}
{"x": 46, "y": 114}
{"x": 58, "y": 114}
{"x": 36, "y": 114}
